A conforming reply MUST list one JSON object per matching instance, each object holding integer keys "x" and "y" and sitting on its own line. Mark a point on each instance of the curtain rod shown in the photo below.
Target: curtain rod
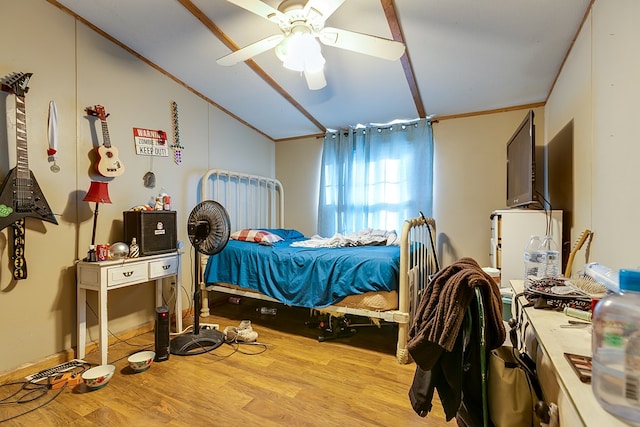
{"x": 379, "y": 127}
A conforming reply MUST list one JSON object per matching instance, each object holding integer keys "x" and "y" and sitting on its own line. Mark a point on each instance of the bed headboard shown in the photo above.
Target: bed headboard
{"x": 252, "y": 201}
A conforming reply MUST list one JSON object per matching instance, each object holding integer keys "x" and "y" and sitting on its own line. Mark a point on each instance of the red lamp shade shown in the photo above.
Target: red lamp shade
{"x": 98, "y": 192}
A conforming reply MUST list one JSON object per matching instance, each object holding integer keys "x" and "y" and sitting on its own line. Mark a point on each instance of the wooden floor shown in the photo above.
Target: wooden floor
{"x": 292, "y": 380}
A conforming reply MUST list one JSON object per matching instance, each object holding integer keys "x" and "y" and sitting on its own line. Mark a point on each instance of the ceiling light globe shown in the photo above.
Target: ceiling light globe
{"x": 300, "y": 51}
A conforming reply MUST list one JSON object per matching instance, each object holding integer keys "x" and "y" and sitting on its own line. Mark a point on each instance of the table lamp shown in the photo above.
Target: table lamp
{"x": 99, "y": 193}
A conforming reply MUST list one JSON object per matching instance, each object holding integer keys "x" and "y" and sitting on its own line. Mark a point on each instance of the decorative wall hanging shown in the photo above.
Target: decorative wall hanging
{"x": 52, "y": 124}
{"x": 150, "y": 142}
{"x": 176, "y": 147}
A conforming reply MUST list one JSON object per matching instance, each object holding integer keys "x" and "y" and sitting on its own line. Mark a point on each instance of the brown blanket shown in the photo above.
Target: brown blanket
{"x": 443, "y": 306}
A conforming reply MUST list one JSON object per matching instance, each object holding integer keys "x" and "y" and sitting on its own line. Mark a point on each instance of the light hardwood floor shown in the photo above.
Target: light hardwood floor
{"x": 294, "y": 381}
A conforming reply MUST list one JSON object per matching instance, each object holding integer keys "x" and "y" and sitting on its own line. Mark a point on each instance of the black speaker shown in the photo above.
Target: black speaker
{"x": 162, "y": 334}
{"x": 155, "y": 231}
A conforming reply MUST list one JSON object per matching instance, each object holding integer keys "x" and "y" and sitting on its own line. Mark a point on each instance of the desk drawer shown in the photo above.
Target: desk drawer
{"x": 126, "y": 274}
{"x": 163, "y": 267}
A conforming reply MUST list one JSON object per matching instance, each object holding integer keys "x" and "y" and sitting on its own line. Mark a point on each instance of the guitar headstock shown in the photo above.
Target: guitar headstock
{"x": 583, "y": 237}
{"x": 98, "y": 111}
{"x": 16, "y": 83}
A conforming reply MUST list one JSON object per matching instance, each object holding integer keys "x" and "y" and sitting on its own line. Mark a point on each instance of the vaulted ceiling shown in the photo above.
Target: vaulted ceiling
{"x": 462, "y": 57}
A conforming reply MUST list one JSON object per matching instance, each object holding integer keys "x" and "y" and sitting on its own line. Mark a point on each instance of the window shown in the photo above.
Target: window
{"x": 375, "y": 177}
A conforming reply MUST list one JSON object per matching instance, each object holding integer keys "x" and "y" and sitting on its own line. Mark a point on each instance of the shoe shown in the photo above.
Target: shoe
{"x": 245, "y": 324}
{"x": 235, "y": 334}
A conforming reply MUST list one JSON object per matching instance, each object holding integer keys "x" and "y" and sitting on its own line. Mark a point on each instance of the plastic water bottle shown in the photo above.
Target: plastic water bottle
{"x": 549, "y": 258}
{"x": 616, "y": 349}
{"x": 272, "y": 311}
{"x": 531, "y": 263}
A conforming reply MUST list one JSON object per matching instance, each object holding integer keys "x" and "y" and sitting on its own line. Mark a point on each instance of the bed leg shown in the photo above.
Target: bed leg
{"x": 402, "y": 354}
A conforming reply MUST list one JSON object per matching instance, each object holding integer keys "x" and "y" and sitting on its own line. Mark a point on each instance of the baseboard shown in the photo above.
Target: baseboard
{"x": 22, "y": 371}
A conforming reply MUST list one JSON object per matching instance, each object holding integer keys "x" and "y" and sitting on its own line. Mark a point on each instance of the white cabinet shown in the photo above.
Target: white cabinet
{"x": 511, "y": 229}
{"x": 104, "y": 276}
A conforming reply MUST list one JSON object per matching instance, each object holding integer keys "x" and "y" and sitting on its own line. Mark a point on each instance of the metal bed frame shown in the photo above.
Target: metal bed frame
{"x": 258, "y": 202}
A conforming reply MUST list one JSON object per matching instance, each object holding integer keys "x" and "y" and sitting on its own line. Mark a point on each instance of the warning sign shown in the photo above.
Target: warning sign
{"x": 150, "y": 142}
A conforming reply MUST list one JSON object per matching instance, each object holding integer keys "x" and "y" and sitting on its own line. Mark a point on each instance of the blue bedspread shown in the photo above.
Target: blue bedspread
{"x": 305, "y": 277}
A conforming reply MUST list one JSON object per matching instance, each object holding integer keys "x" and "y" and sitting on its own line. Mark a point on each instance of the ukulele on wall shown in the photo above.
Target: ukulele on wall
{"x": 20, "y": 194}
{"x": 108, "y": 165}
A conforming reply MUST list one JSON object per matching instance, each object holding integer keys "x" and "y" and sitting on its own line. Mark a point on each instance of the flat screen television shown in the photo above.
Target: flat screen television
{"x": 521, "y": 165}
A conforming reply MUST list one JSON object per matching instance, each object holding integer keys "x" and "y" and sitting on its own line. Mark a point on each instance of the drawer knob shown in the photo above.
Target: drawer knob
{"x": 166, "y": 267}
{"x": 127, "y": 273}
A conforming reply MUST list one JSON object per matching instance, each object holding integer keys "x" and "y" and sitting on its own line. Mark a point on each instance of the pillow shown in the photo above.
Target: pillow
{"x": 258, "y": 236}
{"x": 285, "y": 233}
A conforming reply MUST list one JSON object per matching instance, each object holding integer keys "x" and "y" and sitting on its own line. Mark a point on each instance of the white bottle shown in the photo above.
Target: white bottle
{"x": 531, "y": 263}
{"x": 616, "y": 349}
{"x": 549, "y": 258}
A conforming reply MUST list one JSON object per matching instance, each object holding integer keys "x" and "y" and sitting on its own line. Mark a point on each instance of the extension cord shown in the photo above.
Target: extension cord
{"x": 205, "y": 326}
{"x": 69, "y": 379}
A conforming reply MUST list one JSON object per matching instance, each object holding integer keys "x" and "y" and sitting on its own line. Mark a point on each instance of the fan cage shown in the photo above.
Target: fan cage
{"x": 209, "y": 227}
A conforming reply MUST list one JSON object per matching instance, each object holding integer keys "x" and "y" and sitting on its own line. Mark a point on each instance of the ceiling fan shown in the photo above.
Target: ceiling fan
{"x": 302, "y": 25}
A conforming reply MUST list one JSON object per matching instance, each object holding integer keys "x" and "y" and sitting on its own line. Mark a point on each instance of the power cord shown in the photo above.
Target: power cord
{"x": 112, "y": 334}
{"x": 33, "y": 392}
{"x": 235, "y": 346}
{"x": 262, "y": 347}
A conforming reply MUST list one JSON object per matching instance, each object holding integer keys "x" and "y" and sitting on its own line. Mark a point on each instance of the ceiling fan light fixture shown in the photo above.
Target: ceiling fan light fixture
{"x": 315, "y": 79}
{"x": 302, "y": 35}
{"x": 300, "y": 51}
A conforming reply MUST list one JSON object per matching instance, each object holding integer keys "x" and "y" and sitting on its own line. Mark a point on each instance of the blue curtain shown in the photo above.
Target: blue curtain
{"x": 375, "y": 177}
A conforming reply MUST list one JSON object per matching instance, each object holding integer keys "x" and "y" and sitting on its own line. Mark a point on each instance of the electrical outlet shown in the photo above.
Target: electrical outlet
{"x": 204, "y": 326}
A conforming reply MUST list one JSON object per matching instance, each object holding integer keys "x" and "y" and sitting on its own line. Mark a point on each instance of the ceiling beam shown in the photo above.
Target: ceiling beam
{"x": 396, "y": 32}
{"x": 202, "y": 17}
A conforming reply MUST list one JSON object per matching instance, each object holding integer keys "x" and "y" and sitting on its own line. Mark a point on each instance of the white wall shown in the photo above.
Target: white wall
{"x": 78, "y": 68}
{"x": 570, "y": 105}
{"x": 470, "y": 180}
{"x": 598, "y": 90}
{"x": 616, "y": 90}
{"x": 298, "y": 168}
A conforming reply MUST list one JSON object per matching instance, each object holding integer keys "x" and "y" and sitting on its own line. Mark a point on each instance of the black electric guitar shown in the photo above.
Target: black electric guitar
{"x": 20, "y": 195}
{"x": 109, "y": 165}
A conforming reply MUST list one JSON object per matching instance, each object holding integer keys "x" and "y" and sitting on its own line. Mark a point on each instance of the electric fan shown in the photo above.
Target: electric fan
{"x": 208, "y": 229}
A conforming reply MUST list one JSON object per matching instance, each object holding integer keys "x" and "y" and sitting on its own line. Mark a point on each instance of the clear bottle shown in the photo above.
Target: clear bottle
{"x": 616, "y": 349}
{"x": 531, "y": 263}
{"x": 549, "y": 258}
{"x": 267, "y": 310}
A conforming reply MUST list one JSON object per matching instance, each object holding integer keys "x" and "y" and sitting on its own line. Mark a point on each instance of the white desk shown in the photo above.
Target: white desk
{"x": 103, "y": 276}
{"x": 560, "y": 384}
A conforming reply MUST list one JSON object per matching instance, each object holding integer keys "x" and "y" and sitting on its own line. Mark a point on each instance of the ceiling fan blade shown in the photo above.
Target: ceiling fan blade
{"x": 362, "y": 43}
{"x": 261, "y": 9}
{"x": 250, "y": 51}
{"x": 315, "y": 79}
{"x": 319, "y": 10}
